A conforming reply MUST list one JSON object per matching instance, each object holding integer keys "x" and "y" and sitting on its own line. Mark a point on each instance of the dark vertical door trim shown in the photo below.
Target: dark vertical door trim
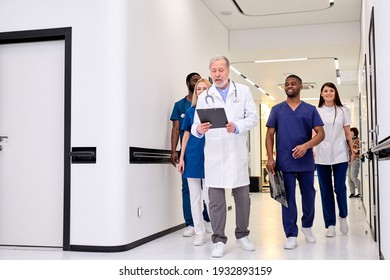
{"x": 374, "y": 122}
{"x": 41, "y": 35}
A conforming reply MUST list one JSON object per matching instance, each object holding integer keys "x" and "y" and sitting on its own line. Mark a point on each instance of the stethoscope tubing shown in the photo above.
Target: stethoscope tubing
{"x": 212, "y": 98}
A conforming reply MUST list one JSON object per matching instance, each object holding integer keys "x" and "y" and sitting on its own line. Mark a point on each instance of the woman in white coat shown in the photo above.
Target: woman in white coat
{"x": 332, "y": 157}
{"x": 226, "y": 154}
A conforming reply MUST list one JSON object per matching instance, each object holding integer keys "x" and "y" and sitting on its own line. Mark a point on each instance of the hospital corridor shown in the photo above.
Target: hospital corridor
{"x": 89, "y": 133}
{"x": 266, "y": 233}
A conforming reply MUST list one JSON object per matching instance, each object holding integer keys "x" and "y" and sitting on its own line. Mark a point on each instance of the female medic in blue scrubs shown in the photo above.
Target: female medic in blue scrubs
{"x": 191, "y": 166}
{"x": 293, "y": 121}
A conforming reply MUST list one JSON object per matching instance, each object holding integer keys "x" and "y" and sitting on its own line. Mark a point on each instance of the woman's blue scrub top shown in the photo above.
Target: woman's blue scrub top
{"x": 194, "y": 154}
{"x": 293, "y": 128}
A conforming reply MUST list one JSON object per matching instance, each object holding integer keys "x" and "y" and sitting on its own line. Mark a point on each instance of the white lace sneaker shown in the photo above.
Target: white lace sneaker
{"x": 199, "y": 240}
{"x": 218, "y": 250}
{"x": 291, "y": 243}
{"x": 208, "y": 227}
{"x": 189, "y": 231}
{"x": 245, "y": 244}
{"x": 343, "y": 225}
{"x": 331, "y": 232}
{"x": 309, "y": 236}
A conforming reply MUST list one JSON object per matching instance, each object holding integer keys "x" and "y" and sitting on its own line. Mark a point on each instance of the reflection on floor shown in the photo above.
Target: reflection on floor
{"x": 266, "y": 233}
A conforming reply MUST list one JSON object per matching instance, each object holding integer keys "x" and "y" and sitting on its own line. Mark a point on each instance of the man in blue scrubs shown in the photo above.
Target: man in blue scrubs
{"x": 177, "y": 118}
{"x": 293, "y": 121}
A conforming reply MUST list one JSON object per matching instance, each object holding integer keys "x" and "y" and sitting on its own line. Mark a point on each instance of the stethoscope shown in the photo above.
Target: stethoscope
{"x": 182, "y": 115}
{"x": 235, "y": 100}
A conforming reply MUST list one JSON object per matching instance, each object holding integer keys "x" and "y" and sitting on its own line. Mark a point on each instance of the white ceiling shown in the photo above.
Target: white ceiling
{"x": 281, "y": 29}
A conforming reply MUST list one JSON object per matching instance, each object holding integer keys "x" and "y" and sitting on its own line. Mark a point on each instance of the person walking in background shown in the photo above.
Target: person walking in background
{"x": 354, "y": 166}
{"x": 332, "y": 157}
{"x": 191, "y": 166}
{"x": 177, "y": 118}
{"x": 226, "y": 153}
{"x": 293, "y": 121}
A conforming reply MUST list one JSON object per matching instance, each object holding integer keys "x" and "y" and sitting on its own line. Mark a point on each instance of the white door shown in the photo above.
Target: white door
{"x": 32, "y": 157}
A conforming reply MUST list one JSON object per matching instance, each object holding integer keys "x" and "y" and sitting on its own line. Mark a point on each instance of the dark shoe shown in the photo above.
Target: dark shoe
{"x": 357, "y": 195}
{"x": 351, "y": 195}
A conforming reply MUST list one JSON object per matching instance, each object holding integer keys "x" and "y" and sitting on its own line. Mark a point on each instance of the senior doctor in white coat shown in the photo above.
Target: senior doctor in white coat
{"x": 226, "y": 153}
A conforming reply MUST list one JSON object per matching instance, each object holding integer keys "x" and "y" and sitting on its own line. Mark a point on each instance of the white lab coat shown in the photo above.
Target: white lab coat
{"x": 226, "y": 154}
{"x": 334, "y": 148}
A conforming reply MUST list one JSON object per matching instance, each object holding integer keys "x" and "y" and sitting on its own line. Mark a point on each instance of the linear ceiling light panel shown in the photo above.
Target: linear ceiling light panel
{"x": 336, "y": 64}
{"x": 281, "y": 60}
{"x": 270, "y": 97}
{"x": 235, "y": 71}
{"x": 308, "y": 86}
{"x": 250, "y": 81}
{"x": 262, "y": 90}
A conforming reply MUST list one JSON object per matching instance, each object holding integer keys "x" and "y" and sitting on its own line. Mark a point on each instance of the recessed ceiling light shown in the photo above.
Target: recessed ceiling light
{"x": 226, "y": 13}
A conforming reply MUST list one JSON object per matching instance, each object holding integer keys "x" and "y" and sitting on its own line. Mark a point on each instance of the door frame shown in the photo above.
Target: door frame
{"x": 53, "y": 34}
{"x": 373, "y": 129}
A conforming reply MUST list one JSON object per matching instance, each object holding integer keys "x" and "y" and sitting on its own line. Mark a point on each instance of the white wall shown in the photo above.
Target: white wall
{"x": 382, "y": 47}
{"x": 166, "y": 43}
{"x": 98, "y": 113}
{"x": 365, "y": 25}
{"x": 129, "y": 63}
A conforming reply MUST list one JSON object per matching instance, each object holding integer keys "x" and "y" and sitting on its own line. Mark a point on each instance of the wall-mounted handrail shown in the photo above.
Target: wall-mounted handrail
{"x": 83, "y": 154}
{"x": 151, "y": 155}
{"x": 382, "y": 150}
{"x": 138, "y": 155}
{"x": 382, "y": 145}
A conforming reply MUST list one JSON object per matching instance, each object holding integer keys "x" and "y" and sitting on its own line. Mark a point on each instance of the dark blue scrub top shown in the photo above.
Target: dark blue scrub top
{"x": 178, "y": 112}
{"x": 293, "y": 128}
{"x": 194, "y": 156}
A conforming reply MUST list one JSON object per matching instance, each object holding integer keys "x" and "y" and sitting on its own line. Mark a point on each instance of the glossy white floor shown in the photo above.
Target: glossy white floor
{"x": 266, "y": 233}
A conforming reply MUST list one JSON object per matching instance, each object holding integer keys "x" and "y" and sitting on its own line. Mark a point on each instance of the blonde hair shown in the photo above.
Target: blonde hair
{"x": 195, "y": 95}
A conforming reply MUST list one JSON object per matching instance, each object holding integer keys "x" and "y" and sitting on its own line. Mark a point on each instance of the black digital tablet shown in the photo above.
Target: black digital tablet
{"x": 216, "y": 116}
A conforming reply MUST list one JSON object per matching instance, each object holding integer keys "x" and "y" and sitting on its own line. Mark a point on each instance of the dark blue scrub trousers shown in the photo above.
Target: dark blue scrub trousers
{"x": 325, "y": 177}
{"x": 185, "y": 192}
{"x": 308, "y": 193}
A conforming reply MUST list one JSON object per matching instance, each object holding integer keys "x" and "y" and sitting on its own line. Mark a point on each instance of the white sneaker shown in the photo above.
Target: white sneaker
{"x": 245, "y": 244}
{"x": 208, "y": 227}
{"x": 189, "y": 231}
{"x": 343, "y": 225}
{"x": 291, "y": 243}
{"x": 199, "y": 240}
{"x": 331, "y": 232}
{"x": 218, "y": 250}
{"x": 309, "y": 236}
